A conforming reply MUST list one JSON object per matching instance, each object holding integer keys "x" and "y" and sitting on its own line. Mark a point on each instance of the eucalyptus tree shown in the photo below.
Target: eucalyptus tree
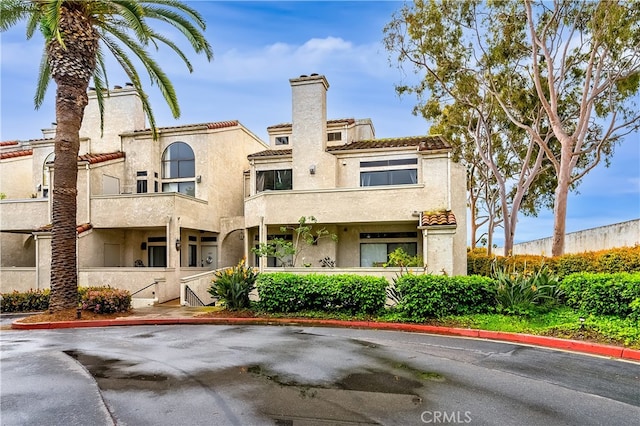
{"x": 563, "y": 72}
{"x": 436, "y": 39}
{"x": 77, "y": 36}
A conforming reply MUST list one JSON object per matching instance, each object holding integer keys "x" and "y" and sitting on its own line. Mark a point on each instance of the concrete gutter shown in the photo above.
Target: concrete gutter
{"x": 528, "y": 339}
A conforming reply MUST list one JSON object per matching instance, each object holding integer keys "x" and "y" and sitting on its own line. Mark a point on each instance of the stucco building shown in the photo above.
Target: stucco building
{"x": 155, "y": 217}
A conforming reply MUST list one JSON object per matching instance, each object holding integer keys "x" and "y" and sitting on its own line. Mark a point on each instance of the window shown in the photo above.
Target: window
{"x": 178, "y": 165}
{"x": 141, "y": 187}
{"x": 282, "y": 140}
{"x": 334, "y": 136}
{"x": 388, "y": 172}
{"x": 157, "y": 256}
{"x": 375, "y": 253}
{"x": 193, "y": 255}
{"x": 275, "y": 180}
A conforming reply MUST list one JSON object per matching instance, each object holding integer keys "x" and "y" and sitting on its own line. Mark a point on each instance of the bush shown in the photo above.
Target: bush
{"x": 603, "y": 294}
{"x": 105, "y": 300}
{"x": 429, "y": 296}
{"x": 625, "y": 259}
{"x": 234, "y": 285}
{"x": 524, "y": 293}
{"x": 33, "y": 300}
{"x": 353, "y": 294}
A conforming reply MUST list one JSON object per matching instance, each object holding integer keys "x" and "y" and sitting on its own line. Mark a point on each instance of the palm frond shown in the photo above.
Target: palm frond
{"x": 12, "y": 12}
{"x": 174, "y": 47}
{"x": 190, "y": 32}
{"x": 156, "y": 74}
{"x": 44, "y": 77}
{"x": 182, "y": 7}
{"x": 128, "y": 67}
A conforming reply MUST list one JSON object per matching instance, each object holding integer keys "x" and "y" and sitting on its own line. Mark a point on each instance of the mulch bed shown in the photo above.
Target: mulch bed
{"x": 71, "y": 315}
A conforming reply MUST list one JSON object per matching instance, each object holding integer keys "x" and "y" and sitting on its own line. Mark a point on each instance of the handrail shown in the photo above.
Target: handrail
{"x": 144, "y": 288}
{"x": 192, "y": 298}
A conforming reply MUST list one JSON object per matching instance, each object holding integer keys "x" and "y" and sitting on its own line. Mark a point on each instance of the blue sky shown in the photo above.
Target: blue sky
{"x": 259, "y": 46}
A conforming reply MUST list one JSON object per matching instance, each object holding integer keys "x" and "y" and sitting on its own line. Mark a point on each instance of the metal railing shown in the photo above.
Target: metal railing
{"x": 191, "y": 298}
{"x": 153, "y": 293}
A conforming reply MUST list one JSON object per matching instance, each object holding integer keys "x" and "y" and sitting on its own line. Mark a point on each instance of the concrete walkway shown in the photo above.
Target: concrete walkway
{"x": 171, "y": 313}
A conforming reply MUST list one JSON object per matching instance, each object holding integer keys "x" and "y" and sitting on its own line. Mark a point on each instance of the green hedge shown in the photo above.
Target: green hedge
{"x": 31, "y": 301}
{"x": 435, "y": 296}
{"x": 603, "y": 294}
{"x": 625, "y": 259}
{"x": 96, "y": 299}
{"x": 352, "y": 294}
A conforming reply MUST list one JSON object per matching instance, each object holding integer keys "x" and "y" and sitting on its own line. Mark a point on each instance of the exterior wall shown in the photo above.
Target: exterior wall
{"x": 17, "y": 250}
{"x": 17, "y": 279}
{"x": 17, "y": 182}
{"x": 122, "y": 113}
{"x": 459, "y": 208}
{"x": 25, "y": 214}
{"x": 624, "y": 234}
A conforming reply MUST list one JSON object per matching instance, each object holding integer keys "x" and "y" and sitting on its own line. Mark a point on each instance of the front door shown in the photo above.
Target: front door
{"x": 209, "y": 256}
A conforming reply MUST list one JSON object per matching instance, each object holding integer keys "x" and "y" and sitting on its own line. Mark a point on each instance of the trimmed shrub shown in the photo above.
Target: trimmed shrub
{"x": 31, "y": 301}
{"x": 436, "y": 296}
{"x": 105, "y": 300}
{"x": 353, "y": 294}
{"x": 603, "y": 294}
{"x": 625, "y": 259}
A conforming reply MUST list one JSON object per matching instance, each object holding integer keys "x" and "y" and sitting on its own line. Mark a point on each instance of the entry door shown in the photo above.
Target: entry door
{"x": 209, "y": 256}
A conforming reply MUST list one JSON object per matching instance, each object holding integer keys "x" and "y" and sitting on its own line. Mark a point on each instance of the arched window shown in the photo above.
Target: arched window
{"x": 179, "y": 169}
{"x": 45, "y": 173}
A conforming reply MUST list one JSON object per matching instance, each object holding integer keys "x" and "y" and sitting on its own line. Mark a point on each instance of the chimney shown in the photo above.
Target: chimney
{"x": 309, "y": 133}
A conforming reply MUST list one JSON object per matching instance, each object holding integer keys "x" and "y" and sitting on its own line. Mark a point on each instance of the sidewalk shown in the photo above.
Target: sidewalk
{"x": 172, "y": 313}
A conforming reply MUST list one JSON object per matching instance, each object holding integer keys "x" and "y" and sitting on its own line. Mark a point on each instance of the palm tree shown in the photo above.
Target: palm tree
{"x": 77, "y": 34}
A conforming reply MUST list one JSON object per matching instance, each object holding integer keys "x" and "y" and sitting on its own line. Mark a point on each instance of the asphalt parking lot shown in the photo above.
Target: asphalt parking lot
{"x": 277, "y": 375}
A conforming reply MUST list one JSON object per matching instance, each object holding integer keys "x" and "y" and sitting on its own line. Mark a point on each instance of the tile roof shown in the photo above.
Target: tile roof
{"x": 212, "y": 126}
{"x": 9, "y": 143}
{"x": 438, "y": 218}
{"x": 100, "y": 158}
{"x": 271, "y": 153}
{"x": 14, "y": 154}
{"x": 79, "y": 229}
{"x": 423, "y": 143}
{"x": 336, "y": 121}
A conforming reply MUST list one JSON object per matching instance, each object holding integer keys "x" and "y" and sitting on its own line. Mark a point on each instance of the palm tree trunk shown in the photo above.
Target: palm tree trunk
{"x": 72, "y": 64}
{"x": 70, "y": 103}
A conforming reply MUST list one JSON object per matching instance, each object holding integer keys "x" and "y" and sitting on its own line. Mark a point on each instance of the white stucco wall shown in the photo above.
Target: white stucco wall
{"x": 624, "y": 234}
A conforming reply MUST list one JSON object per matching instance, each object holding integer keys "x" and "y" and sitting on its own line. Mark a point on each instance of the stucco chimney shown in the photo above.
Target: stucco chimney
{"x": 313, "y": 167}
{"x": 122, "y": 113}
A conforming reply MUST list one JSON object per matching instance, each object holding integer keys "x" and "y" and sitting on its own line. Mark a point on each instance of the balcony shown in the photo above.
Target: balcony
{"x": 154, "y": 209}
{"x": 343, "y": 205}
{"x": 24, "y": 215}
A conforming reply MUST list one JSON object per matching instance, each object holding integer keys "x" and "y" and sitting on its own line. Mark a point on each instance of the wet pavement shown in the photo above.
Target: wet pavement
{"x": 298, "y": 375}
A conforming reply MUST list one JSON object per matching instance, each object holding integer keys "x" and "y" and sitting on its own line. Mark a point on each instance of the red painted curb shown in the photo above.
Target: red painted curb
{"x": 545, "y": 341}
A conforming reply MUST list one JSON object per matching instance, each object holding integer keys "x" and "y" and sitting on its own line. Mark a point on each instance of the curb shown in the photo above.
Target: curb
{"x": 529, "y": 339}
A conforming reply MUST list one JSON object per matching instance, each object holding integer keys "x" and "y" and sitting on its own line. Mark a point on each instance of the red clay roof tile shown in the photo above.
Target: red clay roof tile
{"x": 439, "y": 218}
{"x": 14, "y": 154}
{"x": 79, "y": 229}
{"x": 271, "y": 153}
{"x": 214, "y": 125}
{"x": 337, "y": 121}
{"x": 100, "y": 158}
{"x": 423, "y": 143}
{"x": 9, "y": 143}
